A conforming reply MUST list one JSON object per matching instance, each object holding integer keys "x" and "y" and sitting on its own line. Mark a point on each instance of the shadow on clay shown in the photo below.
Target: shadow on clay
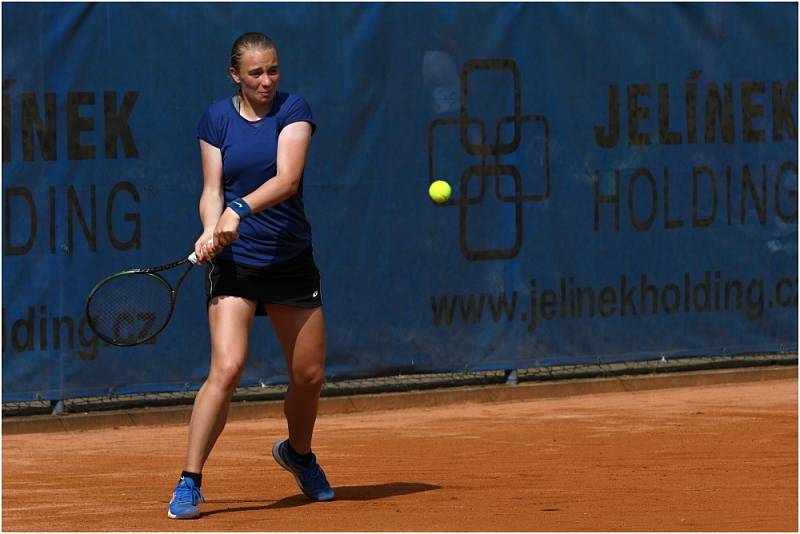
{"x": 343, "y": 493}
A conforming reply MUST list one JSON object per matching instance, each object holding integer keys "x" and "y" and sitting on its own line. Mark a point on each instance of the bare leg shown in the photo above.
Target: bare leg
{"x": 301, "y": 333}
{"x": 230, "y": 319}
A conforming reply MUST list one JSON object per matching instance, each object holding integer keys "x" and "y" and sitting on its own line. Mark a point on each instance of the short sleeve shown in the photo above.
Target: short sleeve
{"x": 209, "y": 130}
{"x": 298, "y": 110}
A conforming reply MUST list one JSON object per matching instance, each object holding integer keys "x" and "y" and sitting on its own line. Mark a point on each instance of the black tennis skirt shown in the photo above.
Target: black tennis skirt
{"x": 295, "y": 282}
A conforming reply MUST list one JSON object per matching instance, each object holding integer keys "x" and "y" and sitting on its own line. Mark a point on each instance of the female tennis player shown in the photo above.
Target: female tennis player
{"x": 256, "y": 245}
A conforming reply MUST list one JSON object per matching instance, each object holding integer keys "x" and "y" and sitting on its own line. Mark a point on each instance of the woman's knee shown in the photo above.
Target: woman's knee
{"x": 226, "y": 374}
{"x": 309, "y": 377}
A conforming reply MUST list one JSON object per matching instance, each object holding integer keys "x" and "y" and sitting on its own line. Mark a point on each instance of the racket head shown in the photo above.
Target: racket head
{"x": 130, "y": 308}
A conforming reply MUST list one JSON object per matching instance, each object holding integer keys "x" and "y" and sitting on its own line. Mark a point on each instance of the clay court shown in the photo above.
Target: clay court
{"x": 711, "y": 458}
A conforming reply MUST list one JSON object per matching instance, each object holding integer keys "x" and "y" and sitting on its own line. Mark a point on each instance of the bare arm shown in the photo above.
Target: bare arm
{"x": 292, "y": 150}
{"x": 211, "y": 199}
{"x": 293, "y": 145}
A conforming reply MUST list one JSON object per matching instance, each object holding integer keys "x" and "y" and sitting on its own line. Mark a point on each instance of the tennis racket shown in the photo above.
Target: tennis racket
{"x": 133, "y": 306}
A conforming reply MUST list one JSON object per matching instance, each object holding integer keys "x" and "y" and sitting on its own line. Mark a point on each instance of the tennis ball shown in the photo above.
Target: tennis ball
{"x": 439, "y": 191}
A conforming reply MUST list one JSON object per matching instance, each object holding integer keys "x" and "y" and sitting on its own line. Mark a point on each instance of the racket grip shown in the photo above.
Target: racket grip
{"x": 193, "y": 257}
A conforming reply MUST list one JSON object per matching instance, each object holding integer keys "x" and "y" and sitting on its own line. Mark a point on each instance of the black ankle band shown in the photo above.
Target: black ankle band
{"x": 304, "y": 459}
{"x": 197, "y": 478}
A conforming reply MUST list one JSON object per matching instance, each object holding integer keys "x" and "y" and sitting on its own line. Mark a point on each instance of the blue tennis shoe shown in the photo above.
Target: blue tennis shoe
{"x": 185, "y": 500}
{"x": 311, "y": 479}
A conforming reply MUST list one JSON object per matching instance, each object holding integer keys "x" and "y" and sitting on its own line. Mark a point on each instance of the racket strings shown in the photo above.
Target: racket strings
{"x": 130, "y": 308}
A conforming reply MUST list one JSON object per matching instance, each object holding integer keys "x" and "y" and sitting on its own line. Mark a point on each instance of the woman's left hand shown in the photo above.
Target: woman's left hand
{"x": 226, "y": 231}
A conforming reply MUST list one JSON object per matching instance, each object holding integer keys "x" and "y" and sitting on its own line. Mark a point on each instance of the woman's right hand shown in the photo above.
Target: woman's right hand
{"x": 204, "y": 248}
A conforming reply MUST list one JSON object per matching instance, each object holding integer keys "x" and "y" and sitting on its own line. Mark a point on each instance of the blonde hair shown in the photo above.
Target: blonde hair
{"x": 247, "y": 41}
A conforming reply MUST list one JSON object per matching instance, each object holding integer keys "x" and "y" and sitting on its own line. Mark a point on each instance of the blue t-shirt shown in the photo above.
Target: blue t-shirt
{"x": 249, "y": 155}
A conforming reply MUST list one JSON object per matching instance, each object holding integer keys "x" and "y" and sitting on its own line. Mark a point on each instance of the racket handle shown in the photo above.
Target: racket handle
{"x": 193, "y": 257}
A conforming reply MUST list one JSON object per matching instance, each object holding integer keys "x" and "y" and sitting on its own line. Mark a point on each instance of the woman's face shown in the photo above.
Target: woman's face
{"x": 258, "y": 75}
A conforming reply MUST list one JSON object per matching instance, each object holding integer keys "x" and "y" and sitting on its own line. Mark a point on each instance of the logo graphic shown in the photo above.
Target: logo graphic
{"x": 506, "y": 156}
{"x": 315, "y": 294}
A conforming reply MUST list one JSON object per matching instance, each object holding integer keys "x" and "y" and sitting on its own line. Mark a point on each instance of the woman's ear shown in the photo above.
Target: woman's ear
{"x": 234, "y": 74}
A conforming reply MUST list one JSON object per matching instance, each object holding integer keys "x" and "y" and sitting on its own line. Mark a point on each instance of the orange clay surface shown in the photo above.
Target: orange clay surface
{"x": 707, "y": 458}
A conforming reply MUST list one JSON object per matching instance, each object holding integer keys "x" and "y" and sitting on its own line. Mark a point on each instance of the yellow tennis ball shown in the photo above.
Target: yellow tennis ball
{"x": 439, "y": 191}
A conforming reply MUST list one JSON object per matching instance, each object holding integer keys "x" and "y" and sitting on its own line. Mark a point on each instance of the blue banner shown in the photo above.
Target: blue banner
{"x": 624, "y": 181}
